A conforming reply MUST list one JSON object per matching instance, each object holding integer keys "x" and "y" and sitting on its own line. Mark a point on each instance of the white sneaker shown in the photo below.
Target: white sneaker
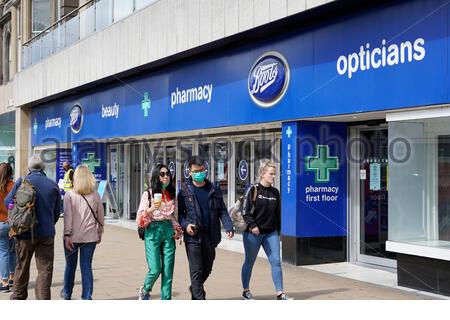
{"x": 284, "y": 296}
{"x": 143, "y": 295}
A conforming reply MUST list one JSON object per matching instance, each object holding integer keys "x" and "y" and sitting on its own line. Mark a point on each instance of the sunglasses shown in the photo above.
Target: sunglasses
{"x": 163, "y": 174}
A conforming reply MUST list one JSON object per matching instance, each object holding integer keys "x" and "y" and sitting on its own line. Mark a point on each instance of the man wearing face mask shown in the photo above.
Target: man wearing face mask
{"x": 200, "y": 211}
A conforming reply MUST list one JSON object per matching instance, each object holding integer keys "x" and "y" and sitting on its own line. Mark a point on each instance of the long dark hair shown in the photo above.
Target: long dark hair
{"x": 6, "y": 172}
{"x": 155, "y": 183}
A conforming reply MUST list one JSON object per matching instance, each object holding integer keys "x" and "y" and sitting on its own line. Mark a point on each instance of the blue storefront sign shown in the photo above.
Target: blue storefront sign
{"x": 385, "y": 64}
{"x": 289, "y": 181}
{"x": 92, "y": 155}
{"x": 322, "y": 188}
{"x": 315, "y": 174}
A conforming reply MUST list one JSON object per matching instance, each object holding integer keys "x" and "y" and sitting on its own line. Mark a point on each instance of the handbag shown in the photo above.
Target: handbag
{"x": 141, "y": 230}
{"x": 141, "y": 233}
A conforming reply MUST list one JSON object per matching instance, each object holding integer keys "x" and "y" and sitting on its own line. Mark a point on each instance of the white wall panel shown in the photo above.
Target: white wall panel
{"x": 194, "y": 24}
{"x": 261, "y": 12}
{"x": 218, "y": 19}
{"x": 231, "y": 17}
{"x": 314, "y": 3}
{"x": 278, "y": 9}
{"x": 295, "y": 6}
{"x": 245, "y": 15}
{"x": 164, "y": 28}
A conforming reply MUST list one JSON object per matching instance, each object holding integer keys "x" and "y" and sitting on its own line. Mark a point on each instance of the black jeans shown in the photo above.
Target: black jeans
{"x": 201, "y": 258}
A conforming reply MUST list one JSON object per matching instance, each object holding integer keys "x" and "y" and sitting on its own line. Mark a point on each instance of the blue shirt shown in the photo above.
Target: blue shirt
{"x": 202, "y": 194}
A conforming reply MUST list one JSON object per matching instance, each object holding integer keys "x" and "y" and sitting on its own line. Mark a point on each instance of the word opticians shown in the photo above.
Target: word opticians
{"x": 368, "y": 58}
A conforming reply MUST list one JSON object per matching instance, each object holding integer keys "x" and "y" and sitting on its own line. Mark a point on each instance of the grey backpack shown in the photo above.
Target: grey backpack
{"x": 22, "y": 217}
{"x": 237, "y": 211}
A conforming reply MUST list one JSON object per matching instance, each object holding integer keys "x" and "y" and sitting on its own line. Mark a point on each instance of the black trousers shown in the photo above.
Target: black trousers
{"x": 201, "y": 258}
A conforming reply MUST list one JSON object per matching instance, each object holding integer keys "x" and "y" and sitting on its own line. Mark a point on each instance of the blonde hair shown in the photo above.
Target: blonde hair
{"x": 264, "y": 165}
{"x": 83, "y": 180}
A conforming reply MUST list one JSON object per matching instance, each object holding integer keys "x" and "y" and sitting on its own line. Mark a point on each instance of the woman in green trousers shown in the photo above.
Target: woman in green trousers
{"x": 157, "y": 214}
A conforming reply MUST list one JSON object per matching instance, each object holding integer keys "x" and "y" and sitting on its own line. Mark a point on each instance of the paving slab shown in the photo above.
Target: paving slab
{"x": 120, "y": 267}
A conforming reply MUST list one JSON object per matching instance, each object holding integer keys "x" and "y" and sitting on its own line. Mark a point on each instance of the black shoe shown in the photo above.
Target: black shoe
{"x": 247, "y": 295}
{"x": 62, "y": 295}
{"x": 10, "y": 283}
{"x": 4, "y": 288}
{"x": 284, "y": 296}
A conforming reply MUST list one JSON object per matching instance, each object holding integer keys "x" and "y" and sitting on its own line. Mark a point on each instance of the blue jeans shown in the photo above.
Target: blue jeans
{"x": 87, "y": 278}
{"x": 271, "y": 245}
{"x": 8, "y": 258}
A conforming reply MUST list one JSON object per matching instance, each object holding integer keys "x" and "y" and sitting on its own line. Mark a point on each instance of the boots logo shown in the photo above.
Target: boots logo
{"x": 268, "y": 79}
{"x": 76, "y": 118}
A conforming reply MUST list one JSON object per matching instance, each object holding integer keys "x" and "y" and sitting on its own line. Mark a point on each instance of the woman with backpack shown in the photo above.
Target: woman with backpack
{"x": 157, "y": 215}
{"x": 83, "y": 230}
{"x": 7, "y": 252}
{"x": 262, "y": 213}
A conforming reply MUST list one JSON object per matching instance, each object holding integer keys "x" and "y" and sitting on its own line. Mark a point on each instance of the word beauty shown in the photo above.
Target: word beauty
{"x": 111, "y": 111}
{"x": 368, "y": 58}
{"x": 201, "y": 93}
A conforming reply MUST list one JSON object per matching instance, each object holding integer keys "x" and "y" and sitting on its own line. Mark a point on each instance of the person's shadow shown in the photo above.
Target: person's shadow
{"x": 304, "y": 295}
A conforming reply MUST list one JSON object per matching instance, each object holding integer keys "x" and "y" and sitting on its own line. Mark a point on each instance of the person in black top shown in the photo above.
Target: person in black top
{"x": 200, "y": 211}
{"x": 262, "y": 213}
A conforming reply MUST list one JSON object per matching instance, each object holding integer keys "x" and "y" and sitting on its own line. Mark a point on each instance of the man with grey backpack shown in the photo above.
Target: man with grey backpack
{"x": 36, "y": 210}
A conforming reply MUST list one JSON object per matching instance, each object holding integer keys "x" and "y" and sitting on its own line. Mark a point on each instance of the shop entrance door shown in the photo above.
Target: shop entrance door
{"x": 117, "y": 175}
{"x": 135, "y": 180}
{"x": 369, "y": 189}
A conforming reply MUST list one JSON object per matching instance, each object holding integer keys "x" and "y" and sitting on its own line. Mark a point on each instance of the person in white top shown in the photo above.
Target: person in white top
{"x": 83, "y": 230}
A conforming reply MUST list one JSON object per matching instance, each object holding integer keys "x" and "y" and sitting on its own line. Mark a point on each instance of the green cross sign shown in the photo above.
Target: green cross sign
{"x": 146, "y": 104}
{"x": 35, "y": 126}
{"x": 91, "y": 162}
{"x": 289, "y": 132}
{"x": 322, "y": 164}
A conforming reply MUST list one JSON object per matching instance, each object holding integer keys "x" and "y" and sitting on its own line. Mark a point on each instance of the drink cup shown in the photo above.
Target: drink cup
{"x": 157, "y": 198}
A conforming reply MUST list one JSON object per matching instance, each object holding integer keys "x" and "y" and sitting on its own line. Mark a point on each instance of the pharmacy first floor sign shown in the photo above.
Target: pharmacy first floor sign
{"x": 314, "y": 189}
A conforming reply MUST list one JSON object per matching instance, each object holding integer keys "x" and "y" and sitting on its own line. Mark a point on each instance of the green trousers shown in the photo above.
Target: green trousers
{"x": 160, "y": 253}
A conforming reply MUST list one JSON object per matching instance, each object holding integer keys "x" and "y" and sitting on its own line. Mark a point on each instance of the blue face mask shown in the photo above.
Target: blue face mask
{"x": 199, "y": 177}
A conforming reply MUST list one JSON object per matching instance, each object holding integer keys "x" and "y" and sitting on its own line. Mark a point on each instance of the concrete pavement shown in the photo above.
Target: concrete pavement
{"x": 119, "y": 269}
